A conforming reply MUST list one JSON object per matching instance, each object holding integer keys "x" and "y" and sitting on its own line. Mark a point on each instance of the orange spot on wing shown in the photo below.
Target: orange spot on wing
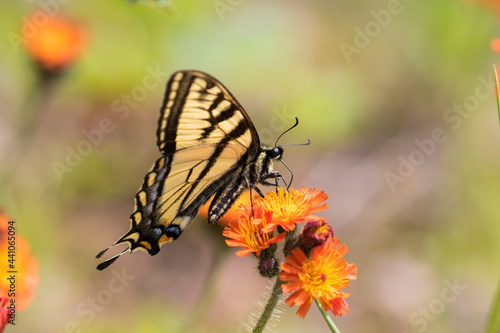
{"x": 146, "y": 245}
{"x": 165, "y": 239}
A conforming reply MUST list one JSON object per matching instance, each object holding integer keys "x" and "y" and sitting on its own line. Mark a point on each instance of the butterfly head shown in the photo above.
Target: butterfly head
{"x": 270, "y": 155}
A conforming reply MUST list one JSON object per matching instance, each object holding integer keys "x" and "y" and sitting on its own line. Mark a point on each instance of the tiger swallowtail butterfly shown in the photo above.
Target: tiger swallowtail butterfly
{"x": 209, "y": 147}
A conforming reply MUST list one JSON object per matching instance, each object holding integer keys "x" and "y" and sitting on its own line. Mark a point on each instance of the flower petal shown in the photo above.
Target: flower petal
{"x": 339, "y": 306}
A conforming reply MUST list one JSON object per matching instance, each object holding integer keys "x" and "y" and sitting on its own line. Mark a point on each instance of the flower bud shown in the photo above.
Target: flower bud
{"x": 268, "y": 267}
{"x": 316, "y": 233}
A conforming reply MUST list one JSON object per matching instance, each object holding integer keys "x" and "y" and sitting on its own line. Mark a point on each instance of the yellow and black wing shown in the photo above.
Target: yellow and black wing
{"x": 209, "y": 145}
{"x": 198, "y": 110}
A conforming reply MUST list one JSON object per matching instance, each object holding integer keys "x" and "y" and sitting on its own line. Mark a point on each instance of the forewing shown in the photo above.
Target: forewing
{"x": 199, "y": 110}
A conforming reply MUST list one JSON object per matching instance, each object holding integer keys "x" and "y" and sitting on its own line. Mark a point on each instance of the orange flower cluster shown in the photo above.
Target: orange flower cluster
{"x": 314, "y": 267}
{"x": 283, "y": 209}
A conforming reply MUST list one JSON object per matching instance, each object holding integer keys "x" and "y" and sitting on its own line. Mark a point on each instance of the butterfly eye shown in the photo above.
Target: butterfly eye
{"x": 276, "y": 152}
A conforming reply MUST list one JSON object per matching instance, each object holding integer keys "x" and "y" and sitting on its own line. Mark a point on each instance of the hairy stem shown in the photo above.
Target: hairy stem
{"x": 268, "y": 310}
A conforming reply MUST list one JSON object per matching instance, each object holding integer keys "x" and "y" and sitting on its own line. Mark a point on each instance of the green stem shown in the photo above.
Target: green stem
{"x": 493, "y": 325}
{"x": 268, "y": 310}
{"x": 497, "y": 90}
{"x": 328, "y": 320}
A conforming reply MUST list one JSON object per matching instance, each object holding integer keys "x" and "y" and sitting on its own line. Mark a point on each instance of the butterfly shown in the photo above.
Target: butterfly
{"x": 209, "y": 147}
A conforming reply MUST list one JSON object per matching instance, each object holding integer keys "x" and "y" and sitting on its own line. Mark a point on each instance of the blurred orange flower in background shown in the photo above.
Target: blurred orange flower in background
{"x": 24, "y": 264}
{"x": 495, "y": 44}
{"x": 494, "y": 4}
{"x": 56, "y": 44}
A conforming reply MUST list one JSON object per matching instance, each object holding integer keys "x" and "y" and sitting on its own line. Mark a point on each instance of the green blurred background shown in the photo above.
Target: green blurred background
{"x": 365, "y": 111}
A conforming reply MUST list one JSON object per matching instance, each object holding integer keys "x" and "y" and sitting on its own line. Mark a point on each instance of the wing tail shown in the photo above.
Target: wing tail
{"x": 109, "y": 261}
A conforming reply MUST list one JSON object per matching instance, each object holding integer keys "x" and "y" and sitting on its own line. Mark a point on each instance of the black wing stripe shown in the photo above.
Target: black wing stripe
{"x": 223, "y": 116}
{"x": 176, "y": 190}
{"x": 161, "y": 184}
{"x": 160, "y": 208}
{"x": 215, "y": 103}
{"x": 174, "y": 116}
{"x": 180, "y": 192}
{"x": 165, "y": 112}
{"x": 180, "y": 86}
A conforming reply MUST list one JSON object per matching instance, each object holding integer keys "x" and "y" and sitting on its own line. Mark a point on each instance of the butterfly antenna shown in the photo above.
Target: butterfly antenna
{"x": 297, "y": 144}
{"x": 291, "y": 177}
{"x": 296, "y": 123}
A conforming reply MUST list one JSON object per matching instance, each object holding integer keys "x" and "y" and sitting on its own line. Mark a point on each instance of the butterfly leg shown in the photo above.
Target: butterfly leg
{"x": 276, "y": 175}
{"x": 251, "y": 187}
{"x": 259, "y": 192}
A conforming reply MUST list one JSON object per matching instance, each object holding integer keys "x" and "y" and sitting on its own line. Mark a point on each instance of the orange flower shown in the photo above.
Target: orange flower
{"x": 24, "y": 264}
{"x": 321, "y": 276}
{"x": 292, "y": 207}
{"x": 248, "y": 232}
{"x": 54, "y": 44}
